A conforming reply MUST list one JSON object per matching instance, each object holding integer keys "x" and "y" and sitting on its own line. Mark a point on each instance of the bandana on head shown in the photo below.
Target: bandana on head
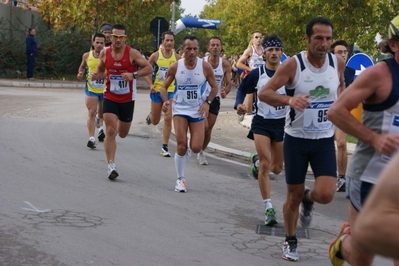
{"x": 106, "y": 27}
{"x": 272, "y": 43}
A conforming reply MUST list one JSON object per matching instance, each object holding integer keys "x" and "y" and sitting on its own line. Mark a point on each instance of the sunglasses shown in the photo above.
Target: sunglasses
{"x": 258, "y": 37}
{"x": 116, "y": 37}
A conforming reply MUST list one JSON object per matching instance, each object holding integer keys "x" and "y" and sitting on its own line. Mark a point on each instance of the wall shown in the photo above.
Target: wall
{"x": 15, "y": 20}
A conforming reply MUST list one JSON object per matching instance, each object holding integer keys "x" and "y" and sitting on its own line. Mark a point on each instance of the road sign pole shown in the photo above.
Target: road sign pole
{"x": 159, "y": 32}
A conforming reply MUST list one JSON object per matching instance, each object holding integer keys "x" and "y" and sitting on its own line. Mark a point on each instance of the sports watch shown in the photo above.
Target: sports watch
{"x": 135, "y": 75}
{"x": 209, "y": 102}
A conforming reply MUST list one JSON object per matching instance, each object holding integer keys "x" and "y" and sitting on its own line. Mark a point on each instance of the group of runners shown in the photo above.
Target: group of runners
{"x": 296, "y": 108}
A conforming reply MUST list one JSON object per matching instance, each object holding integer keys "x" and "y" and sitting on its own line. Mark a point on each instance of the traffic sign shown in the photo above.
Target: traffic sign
{"x": 283, "y": 58}
{"x": 359, "y": 62}
{"x": 158, "y": 25}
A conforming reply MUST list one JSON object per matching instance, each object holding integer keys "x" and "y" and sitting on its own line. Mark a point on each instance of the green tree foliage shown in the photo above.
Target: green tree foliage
{"x": 87, "y": 16}
{"x": 354, "y": 20}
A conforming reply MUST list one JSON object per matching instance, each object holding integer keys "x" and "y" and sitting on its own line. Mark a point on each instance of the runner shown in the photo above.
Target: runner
{"x": 378, "y": 139}
{"x": 267, "y": 128}
{"x": 313, "y": 79}
{"x": 222, "y": 71}
{"x": 161, "y": 60}
{"x": 93, "y": 89}
{"x": 119, "y": 65}
{"x": 191, "y": 103}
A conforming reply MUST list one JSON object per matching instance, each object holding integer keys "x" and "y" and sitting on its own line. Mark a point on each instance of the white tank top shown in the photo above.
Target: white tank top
{"x": 322, "y": 85}
{"x": 263, "y": 109}
{"x": 219, "y": 75}
{"x": 256, "y": 60}
{"x": 190, "y": 91}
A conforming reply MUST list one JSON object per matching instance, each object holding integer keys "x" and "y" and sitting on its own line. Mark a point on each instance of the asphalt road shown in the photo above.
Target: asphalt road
{"x": 58, "y": 207}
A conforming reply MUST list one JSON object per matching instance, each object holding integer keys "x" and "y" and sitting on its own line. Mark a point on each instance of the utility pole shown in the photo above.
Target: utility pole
{"x": 96, "y": 18}
{"x": 172, "y": 23}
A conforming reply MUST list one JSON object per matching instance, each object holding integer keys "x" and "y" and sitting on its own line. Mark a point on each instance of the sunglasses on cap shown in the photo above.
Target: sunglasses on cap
{"x": 116, "y": 37}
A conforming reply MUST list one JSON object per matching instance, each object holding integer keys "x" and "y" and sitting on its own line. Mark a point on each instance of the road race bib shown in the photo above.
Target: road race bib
{"x": 118, "y": 85}
{"x": 189, "y": 92}
{"x": 315, "y": 117}
{"x": 97, "y": 84}
{"x": 162, "y": 73}
{"x": 393, "y": 129}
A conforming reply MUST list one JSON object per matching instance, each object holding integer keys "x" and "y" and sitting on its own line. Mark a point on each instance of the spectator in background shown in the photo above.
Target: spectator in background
{"x": 31, "y": 52}
{"x": 340, "y": 48}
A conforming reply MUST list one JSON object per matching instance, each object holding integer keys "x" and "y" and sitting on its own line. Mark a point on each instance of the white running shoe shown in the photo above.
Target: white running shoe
{"x": 112, "y": 173}
{"x": 289, "y": 250}
{"x": 180, "y": 185}
{"x": 201, "y": 158}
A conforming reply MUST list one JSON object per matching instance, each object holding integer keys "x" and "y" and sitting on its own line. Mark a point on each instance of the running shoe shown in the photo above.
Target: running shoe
{"x": 270, "y": 217}
{"x": 289, "y": 250}
{"x": 181, "y": 185}
{"x": 241, "y": 118}
{"x": 255, "y": 164}
{"x": 165, "y": 152}
{"x": 112, "y": 173}
{"x": 101, "y": 135}
{"x": 334, "y": 251}
{"x": 341, "y": 184}
{"x": 91, "y": 143}
{"x": 201, "y": 158}
{"x": 148, "y": 119}
{"x": 306, "y": 213}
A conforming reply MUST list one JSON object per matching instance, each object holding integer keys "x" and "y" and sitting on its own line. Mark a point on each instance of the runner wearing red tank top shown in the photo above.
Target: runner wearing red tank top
{"x": 119, "y": 64}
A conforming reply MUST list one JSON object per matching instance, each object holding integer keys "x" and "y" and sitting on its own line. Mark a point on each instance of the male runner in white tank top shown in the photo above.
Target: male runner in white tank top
{"x": 191, "y": 103}
{"x": 251, "y": 58}
{"x": 378, "y": 140}
{"x": 222, "y": 72}
{"x": 313, "y": 79}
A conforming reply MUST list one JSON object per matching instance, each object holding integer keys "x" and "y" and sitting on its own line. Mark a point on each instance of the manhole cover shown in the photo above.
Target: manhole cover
{"x": 280, "y": 231}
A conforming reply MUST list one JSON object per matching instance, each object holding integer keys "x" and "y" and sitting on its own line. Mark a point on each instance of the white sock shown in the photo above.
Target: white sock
{"x": 180, "y": 164}
{"x": 100, "y": 128}
{"x": 92, "y": 138}
{"x": 268, "y": 204}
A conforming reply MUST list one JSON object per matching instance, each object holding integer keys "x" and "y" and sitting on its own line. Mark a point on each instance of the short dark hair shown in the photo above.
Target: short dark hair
{"x": 30, "y": 29}
{"x": 191, "y": 38}
{"x": 167, "y": 33}
{"x": 118, "y": 27}
{"x": 338, "y": 42}
{"x": 317, "y": 20}
{"x": 99, "y": 35}
{"x": 215, "y": 37}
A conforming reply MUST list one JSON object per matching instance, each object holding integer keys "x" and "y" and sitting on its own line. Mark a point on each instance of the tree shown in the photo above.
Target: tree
{"x": 136, "y": 15}
{"x": 354, "y": 20}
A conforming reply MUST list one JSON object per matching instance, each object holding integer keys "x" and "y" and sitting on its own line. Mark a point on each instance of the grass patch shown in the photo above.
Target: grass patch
{"x": 351, "y": 139}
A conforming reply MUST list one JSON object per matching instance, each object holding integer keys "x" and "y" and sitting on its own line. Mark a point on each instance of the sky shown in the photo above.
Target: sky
{"x": 193, "y": 7}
